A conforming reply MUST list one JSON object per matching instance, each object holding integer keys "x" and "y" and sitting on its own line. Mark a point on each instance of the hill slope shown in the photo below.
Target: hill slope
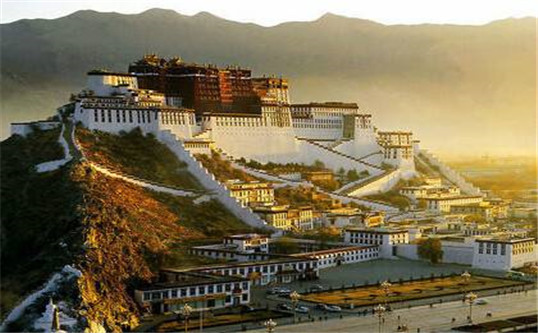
{"x": 115, "y": 233}
{"x": 474, "y": 84}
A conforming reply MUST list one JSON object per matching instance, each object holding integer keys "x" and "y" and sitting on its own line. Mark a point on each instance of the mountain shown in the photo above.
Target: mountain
{"x": 116, "y": 234}
{"x": 473, "y": 84}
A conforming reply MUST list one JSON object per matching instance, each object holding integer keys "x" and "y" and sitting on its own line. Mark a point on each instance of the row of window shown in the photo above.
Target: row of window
{"x": 195, "y": 291}
{"x": 176, "y": 118}
{"x": 262, "y": 269}
{"x": 122, "y": 116}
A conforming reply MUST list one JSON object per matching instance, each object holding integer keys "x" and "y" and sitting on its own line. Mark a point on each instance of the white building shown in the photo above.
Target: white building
{"x": 342, "y": 255}
{"x": 504, "y": 254}
{"x": 201, "y": 290}
{"x": 279, "y": 269}
{"x": 386, "y": 239}
{"x": 248, "y": 243}
{"x": 442, "y": 204}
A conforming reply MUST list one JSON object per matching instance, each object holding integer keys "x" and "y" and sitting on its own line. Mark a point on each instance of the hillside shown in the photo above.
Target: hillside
{"x": 474, "y": 84}
{"x": 115, "y": 233}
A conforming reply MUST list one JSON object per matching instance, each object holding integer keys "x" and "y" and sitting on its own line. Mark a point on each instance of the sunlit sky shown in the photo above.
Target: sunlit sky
{"x": 273, "y": 12}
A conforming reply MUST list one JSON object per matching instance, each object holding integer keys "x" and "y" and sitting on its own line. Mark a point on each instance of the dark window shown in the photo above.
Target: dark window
{"x": 183, "y": 292}
{"x": 210, "y": 289}
{"x": 174, "y": 293}
{"x": 245, "y": 285}
{"x": 227, "y": 287}
{"x": 219, "y": 288}
{"x": 192, "y": 291}
{"x": 201, "y": 290}
{"x": 244, "y": 297}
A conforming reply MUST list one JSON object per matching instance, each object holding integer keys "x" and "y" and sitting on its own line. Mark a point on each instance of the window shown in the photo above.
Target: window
{"x": 503, "y": 249}
{"x": 183, "y": 292}
{"x": 201, "y": 290}
{"x": 245, "y": 285}
{"x": 147, "y": 296}
{"x": 244, "y": 297}
{"x": 228, "y": 287}
{"x": 210, "y": 289}
{"x": 219, "y": 288}
{"x": 192, "y": 291}
{"x": 174, "y": 293}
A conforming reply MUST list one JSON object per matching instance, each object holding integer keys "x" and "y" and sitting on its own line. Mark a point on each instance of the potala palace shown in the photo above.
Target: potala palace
{"x": 206, "y": 107}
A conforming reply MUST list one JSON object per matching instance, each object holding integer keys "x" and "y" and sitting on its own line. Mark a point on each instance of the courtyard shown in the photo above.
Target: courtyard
{"x": 407, "y": 290}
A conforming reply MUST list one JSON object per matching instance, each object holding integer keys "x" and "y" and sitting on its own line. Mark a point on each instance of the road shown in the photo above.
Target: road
{"x": 438, "y": 318}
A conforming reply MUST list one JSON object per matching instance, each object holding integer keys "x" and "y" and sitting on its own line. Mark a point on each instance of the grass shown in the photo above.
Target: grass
{"x": 134, "y": 154}
{"x": 222, "y": 169}
{"x": 38, "y": 215}
{"x": 209, "y": 218}
{"x": 404, "y": 291}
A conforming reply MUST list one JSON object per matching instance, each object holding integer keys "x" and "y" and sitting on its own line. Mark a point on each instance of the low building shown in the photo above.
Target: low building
{"x": 386, "y": 239}
{"x": 251, "y": 193}
{"x": 280, "y": 269}
{"x": 482, "y": 209}
{"x": 442, "y": 204}
{"x": 202, "y": 291}
{"x": 342, "y": 255}
{"x": 342, "y": 217}
{"x": 248, "y": 243}
{"x": 373, "y": 219}
{"x": 499, "y": 207}
{"x": 504, "y": 253}
{"x": 246, "y": 247}
{"x": 433, "y": 181}
{"x": 416, "y": 193}
{"x": 286, "y": 218}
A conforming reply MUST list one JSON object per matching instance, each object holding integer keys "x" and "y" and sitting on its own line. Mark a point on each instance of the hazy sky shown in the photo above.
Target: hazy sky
{"x": 272, "y": 12}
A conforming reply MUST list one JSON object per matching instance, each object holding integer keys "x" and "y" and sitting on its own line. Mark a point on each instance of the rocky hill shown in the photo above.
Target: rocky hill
{"x": 473, "y": 84}
{"x": 115, "y": 233}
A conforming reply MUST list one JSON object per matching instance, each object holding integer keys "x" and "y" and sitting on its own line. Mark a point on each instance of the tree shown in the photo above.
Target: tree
{"x": 430, "y": 249}
{"x": 318, "y": 164}
{"x": 341, "y": 173}
{"x": 352, "y": 175}
{"x": 285, "y": 245}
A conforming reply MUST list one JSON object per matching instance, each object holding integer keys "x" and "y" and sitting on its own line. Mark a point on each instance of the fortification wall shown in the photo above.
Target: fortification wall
{"x": 379, "y": 185}
{"x": 450, "y": 174}
{"x": 263, "y": 144}
{"x": 208, "y": 181}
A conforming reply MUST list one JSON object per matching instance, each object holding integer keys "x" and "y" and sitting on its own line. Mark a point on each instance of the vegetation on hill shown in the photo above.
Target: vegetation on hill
{"x": 40, "y": 228}
{"x": 278, "y": 168}
{"x": 115, "y": 233}
{"x": 222, "y": 169}
{"x": 136, "y": 154}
